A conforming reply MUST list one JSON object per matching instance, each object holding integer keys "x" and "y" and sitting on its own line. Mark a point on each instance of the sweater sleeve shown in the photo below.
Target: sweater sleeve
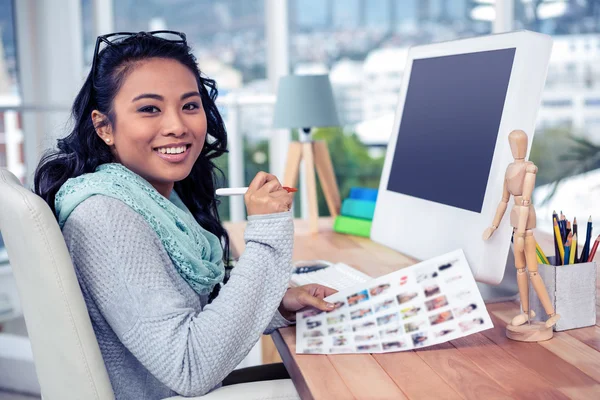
{"x": 278, "y": 321}
{"x": 135, "y": 285}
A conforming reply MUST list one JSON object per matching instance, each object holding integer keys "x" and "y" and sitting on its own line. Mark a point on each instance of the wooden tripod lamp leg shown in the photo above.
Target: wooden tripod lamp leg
{"x": 311, "y": 186}
{"x": 292, "y": 166}
{"x": 327, "y": 177}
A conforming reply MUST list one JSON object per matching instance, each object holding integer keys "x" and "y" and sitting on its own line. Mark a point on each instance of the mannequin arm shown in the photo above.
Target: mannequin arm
{"x": 501, "y": 207}
{"x": 528, "y": 186}
{"x": 499, "y": 213}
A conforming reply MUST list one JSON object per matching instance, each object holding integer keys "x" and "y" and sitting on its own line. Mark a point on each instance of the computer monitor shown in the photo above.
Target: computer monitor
{"x": 446, "y": 159}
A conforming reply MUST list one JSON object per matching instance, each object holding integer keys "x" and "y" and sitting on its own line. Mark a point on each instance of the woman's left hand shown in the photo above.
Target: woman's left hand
{"x": 298, "y": 298}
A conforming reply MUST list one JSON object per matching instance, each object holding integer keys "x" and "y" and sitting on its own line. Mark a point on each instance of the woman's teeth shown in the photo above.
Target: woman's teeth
{"x": 171, "y": 150}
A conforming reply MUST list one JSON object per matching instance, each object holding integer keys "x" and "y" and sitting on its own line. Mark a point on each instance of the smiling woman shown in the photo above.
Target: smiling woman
{"x": 133, "y": 189}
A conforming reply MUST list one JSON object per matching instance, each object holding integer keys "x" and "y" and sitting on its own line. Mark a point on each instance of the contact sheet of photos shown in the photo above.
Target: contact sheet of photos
{"x": 426, "y": 304}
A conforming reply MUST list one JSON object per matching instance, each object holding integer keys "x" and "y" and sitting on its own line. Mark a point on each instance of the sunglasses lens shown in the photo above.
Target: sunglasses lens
{"x": 172, "y": 37}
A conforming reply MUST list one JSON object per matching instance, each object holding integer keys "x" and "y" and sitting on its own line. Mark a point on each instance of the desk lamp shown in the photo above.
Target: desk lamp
{"x": 305, "y": 102}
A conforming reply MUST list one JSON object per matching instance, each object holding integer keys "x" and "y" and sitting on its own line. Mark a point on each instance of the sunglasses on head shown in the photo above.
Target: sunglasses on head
{"x": 112, "y": 38}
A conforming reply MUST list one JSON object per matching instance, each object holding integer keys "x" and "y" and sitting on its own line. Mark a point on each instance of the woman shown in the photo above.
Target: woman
{"x": 133, "y": 187}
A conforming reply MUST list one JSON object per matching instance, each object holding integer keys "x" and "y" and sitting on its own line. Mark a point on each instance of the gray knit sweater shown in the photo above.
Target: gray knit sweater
{"x": 159, "y": 338}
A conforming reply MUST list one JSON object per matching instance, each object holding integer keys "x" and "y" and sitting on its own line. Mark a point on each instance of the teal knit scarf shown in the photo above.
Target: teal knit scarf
{"x": 196, "y": 253}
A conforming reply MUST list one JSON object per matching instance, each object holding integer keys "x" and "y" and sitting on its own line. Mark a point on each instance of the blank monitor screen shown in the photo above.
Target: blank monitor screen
{"x": 449, "y": 127}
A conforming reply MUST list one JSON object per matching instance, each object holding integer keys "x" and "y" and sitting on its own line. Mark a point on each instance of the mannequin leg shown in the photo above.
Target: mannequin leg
{"x": 536, "y": 279}
{"x": 523, "y": 289}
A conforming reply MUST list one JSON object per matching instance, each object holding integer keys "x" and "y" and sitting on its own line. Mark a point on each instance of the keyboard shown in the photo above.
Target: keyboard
{"x": 338, "y": 276}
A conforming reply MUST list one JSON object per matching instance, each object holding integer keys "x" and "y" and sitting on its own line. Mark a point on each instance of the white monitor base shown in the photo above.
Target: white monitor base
{"x": 507, "y": 290}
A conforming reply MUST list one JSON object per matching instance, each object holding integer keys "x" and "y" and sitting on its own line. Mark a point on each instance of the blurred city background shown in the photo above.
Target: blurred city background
{"x": 246, "y": 45}
{"x": 362, "y": 44}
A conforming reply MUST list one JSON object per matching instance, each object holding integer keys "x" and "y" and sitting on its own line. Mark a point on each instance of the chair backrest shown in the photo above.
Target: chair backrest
{"x": 67, "y": 358}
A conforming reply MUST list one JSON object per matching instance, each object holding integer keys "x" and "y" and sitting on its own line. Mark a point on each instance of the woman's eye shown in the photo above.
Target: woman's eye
{"x": 191, "y": 106}
{"x": 149, "y": 109}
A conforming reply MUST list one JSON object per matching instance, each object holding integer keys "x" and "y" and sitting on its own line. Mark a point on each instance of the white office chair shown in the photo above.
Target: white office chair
{"x": 67, "y": 358}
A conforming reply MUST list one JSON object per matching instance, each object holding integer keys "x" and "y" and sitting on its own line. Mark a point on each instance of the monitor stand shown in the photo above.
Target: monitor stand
{"x": 507, "y": 290}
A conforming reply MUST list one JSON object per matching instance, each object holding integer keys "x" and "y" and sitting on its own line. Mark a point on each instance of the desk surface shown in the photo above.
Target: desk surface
{"x": 482, "y": 365}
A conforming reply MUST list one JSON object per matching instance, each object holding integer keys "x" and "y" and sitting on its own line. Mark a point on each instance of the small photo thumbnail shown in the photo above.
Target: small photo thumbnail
{"x": 426, "y": 275}
{"x": 365, "y": 337}
{"x": 360, "y": 313}
{"x": 447, "y": 266}
{"x": 384, "y": 305}
{"x": 363, "y": 326}
{"x": 431, "y": 290}
{"x": 397, "y": 345}
{"x": 341, "y": 350}
{"x": 340, "y": 340}
{"x": 420, "y": 339}
{"x": 336, "y": 319}
{"x": 435, "y": 303}
{"x": 459, "y": 312}
{"x": 338, "y": 329}
{"x": 471, "y": 324}
{"x": 379, "y": 289}
{"x": 443, "y": 332}
{"x": 358, "y": 297}
{"x": 368, "y": 347}
{"x": 311, "y": 324}
{"x": 441, "y": 317}
{"x": 406, "y": 297}
{"x": 313, "y": 351}
{"x": 414, "y": 326}
{"x": 315, "y": 333}
{"x": 410, "y": 312}
{"x": 386, "y": 319}
{"x": 390, "y": 332}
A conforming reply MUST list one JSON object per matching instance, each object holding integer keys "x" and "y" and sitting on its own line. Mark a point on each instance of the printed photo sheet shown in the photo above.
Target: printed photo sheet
{"x": 426, "y": 304}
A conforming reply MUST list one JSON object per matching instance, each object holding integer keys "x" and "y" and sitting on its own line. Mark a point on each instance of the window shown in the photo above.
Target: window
{"x": 572, "y": 93}
{"x": 364, "y": 46}
{"x": 9, "y": 95}
{"x": 557, "y": 103}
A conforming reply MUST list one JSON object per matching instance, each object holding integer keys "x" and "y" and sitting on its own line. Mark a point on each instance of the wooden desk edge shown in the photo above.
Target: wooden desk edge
{"x": 291, "y": 366}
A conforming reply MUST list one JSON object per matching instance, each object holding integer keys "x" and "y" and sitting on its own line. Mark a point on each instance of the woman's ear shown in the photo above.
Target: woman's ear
{"x": 102, "y": 127}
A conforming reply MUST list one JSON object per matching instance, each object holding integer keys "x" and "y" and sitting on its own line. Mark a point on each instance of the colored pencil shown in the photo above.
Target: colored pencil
{"x": 594, "y": 248}
{"x": 572, "y": 241}
{"x": 563, "y": 227}
{"x": 556, "y": 252}
{"x": 568, "y": 228}
{"x": 541, "y": 255}
{"x": 560, "y": 255}
{"x": 586, "y": 246}
{"x": 568, "y": 250}
{"x": 575, "y": 240}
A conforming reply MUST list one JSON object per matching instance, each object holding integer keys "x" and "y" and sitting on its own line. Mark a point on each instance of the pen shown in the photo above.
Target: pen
{"x": 243, "y": 190}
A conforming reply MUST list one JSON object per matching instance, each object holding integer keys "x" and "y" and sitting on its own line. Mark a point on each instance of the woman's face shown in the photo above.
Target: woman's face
{"x": 160, "y": 125}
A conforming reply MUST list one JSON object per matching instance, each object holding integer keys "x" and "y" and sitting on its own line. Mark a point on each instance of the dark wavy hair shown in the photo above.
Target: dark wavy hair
{"x": 82, "y": 151}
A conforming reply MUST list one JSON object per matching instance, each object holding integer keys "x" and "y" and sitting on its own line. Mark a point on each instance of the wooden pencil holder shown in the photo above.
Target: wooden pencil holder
{"x": 572, "y": 290}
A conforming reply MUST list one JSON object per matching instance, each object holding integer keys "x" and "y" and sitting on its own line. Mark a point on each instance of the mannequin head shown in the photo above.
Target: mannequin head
{"x": 518, "y": 144}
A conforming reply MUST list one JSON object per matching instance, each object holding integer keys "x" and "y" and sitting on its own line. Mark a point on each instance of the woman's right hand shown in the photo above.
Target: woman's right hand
{"x": 265, "y": 195}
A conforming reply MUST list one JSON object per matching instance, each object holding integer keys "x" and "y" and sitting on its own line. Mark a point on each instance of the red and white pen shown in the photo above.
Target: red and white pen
{"x": 243, "y": 190}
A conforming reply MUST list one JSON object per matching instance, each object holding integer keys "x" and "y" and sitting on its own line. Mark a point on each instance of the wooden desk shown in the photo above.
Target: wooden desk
{"x": 484, "y": 365}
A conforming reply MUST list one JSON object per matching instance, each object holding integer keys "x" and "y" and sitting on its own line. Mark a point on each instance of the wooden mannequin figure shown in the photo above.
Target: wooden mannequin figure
{"x": 519, "y": 181}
